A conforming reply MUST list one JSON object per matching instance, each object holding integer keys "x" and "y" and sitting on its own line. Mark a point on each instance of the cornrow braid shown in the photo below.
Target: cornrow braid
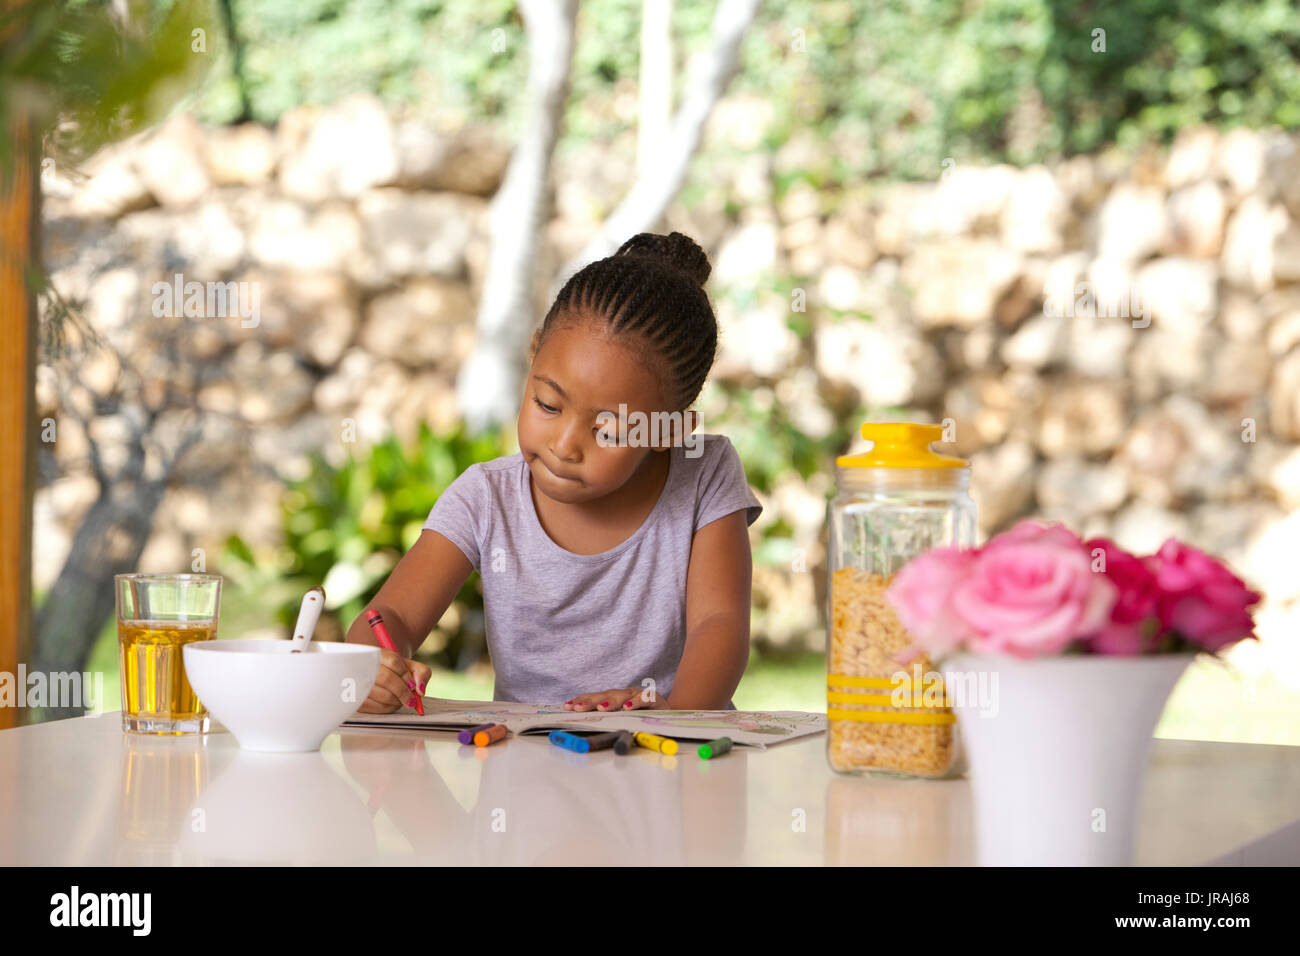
{"x": 652, "y": 288}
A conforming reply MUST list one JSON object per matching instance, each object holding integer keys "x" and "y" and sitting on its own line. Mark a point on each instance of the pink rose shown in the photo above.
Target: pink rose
{"x": 919, "y": 594}
{"x": 1200, "y": 599}
{"x": 1032, "y": 592}
{"x": 1133, "y": 628}
{"x": 1038, "y": 531}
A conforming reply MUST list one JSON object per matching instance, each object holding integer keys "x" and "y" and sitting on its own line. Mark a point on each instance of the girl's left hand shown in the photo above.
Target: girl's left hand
{"x": 619, "y": 700}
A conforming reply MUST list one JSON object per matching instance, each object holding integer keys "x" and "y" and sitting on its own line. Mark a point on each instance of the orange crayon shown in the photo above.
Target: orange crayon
{"x": 490, "y": 736}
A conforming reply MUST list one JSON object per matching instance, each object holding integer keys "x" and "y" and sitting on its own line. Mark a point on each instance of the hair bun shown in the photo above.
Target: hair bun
{"x": 675, "y": 250}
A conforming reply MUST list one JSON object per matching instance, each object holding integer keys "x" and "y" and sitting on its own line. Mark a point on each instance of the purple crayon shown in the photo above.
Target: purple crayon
{"x": 467, "y": 736}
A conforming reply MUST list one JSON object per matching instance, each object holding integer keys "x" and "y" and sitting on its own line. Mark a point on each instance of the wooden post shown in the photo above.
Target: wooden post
{"x": 19, "y": 202}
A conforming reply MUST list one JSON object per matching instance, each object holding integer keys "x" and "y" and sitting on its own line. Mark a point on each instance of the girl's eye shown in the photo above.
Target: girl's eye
{"x": 543, "y": 406}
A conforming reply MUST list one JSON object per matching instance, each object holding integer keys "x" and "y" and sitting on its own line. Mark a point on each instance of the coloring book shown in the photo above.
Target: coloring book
{"x": 746, "y": 728}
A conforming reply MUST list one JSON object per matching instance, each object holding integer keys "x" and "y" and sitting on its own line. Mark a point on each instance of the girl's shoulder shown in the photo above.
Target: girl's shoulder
{"x": 506, "y": 463}
{"x": 712, "y": 464}
{"x": 706, "y": 451}
{"x": 494, "y": 474}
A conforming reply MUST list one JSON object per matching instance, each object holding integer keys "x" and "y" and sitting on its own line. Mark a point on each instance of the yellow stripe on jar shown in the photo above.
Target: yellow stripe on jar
{"x": 890, "y": 717}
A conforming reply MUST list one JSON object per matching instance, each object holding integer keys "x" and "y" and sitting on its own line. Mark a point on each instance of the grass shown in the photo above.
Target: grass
{"x": 1216, "y": 702}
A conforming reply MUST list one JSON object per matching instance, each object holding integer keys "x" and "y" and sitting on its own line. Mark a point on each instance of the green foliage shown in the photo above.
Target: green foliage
{"x": 895, "y": 87}
{"x": 316, "y": 51}
{"x": 87, "y": 81}
{"x": 1169, "y": 64}
{"x": 892, "y": 88}
{"x": 770, "y": 444}
{"x": 346, "y": 527}
{"x": 910, "y": 84}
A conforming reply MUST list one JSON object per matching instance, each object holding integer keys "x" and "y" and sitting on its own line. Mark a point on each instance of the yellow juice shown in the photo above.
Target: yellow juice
{"x": 154, "y": 685}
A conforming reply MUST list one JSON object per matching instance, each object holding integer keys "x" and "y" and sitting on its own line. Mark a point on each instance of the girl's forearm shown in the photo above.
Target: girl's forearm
{"x": 717, "y": 651}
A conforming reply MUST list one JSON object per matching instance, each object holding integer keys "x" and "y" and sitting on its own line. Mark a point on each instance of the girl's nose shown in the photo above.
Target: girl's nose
{"x": 567, "y": 446}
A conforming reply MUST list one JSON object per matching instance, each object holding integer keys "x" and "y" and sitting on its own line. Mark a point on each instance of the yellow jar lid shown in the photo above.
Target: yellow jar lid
{"x": 900, "y": 445}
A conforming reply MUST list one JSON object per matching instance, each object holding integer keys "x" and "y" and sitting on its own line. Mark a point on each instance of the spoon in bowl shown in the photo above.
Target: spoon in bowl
{"x": 312, "y": 604}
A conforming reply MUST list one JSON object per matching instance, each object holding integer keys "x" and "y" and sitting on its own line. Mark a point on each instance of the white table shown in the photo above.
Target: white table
{"x": 80, "y": 792}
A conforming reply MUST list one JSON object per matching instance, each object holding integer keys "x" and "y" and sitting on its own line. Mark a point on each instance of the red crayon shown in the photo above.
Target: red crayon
{"x": 376, "y": 622}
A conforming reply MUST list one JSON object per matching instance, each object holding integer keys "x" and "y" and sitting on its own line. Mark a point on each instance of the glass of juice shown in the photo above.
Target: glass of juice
{"x": 157, "y": 615}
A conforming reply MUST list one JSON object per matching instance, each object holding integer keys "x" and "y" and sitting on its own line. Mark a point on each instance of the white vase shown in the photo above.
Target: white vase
{"x": 1057, "y": 749}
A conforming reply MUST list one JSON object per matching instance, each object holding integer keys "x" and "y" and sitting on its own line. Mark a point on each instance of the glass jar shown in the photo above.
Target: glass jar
{"x": 895, "y": 501}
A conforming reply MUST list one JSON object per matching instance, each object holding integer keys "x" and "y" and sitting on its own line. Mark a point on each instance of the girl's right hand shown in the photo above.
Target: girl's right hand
{"x": 397, "y": 685}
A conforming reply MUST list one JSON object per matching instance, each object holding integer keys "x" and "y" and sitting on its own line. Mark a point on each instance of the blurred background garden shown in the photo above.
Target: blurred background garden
{"x": 896, "y": 199}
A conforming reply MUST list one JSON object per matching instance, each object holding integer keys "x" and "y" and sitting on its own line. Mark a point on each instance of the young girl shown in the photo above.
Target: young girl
{"x": 616, "y": 570}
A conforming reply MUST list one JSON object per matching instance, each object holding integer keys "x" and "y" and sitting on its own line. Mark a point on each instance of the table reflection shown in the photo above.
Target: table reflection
{"x": 540, "y": 805}
{"x": 161, "y": 778}
{"x": 882, "y": 821}
{"x": 203, "y": 800}
{"x": 280, "y": 808}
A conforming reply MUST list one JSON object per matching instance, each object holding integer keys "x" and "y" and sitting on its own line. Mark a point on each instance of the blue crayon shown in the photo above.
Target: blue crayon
{"x": 582, "y": 744}
{"x": 562, "y": 738}
{"x": 467, "y": 736}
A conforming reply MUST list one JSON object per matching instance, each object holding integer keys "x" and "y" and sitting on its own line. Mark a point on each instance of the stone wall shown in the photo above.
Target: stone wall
{"x": 1116, "y": 340}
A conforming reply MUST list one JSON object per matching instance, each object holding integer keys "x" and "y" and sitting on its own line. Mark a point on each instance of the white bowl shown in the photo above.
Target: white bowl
{"x": 275, "y": 701}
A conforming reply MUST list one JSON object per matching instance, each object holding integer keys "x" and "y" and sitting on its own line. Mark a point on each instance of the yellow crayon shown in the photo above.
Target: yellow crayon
{"x": 664, "y": 745}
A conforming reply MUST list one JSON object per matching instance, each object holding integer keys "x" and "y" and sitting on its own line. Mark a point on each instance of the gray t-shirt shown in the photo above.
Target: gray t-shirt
{"x": 561, "y": 624}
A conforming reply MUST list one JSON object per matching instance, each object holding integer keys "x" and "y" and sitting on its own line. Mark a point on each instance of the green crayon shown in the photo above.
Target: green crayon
{"x": 715, "y": 748}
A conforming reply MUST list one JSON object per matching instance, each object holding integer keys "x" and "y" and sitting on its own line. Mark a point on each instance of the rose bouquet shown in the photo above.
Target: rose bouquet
{"x": 1039, "y": 590}
{"x": 1080, "y": 644}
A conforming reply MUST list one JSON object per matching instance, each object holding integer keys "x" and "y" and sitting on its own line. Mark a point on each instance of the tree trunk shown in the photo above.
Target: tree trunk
{"x": 236, "y": 62}
{"x": 650, "y": 195}
{"x": 109, "y": 541}
{"x": 488, "y": 384}
{"x": 656, "y": 83}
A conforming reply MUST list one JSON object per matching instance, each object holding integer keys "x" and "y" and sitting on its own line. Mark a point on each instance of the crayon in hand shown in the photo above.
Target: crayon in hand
{"x": 376, "y": 622}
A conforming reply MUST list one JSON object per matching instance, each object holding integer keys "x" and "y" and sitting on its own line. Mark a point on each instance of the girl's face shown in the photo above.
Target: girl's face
{"x": 578, "y": 373}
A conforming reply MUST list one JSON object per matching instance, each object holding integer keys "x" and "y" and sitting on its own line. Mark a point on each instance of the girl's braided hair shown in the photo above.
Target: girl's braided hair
{"x": 653, "y": 289}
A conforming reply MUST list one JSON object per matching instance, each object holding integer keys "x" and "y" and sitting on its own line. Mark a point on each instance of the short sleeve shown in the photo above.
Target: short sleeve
{"x": 457, "y": 513}
{"x": 723, "y": 486}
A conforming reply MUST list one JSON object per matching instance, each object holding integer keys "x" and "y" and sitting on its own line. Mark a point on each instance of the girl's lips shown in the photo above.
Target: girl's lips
{"x": 554, "y": 473}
